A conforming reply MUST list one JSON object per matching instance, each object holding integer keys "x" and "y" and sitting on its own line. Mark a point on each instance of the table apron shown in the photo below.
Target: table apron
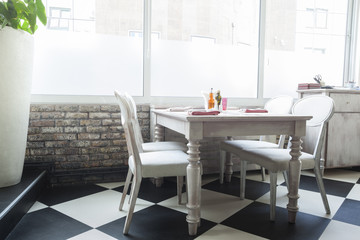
{"x": 221, "y": 129}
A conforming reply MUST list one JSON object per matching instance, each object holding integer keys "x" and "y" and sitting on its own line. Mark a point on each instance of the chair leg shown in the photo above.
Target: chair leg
{"x": 131, "y": 191}
{"x": 286, "y": 178}
{"x": 222, "y": 166}
{"x": 228, "y": 167}
{"x": 321, "y": 186}
{"x": 242, "y": 179}
{"x": 273, "y": 182}
{"x": 133, "y": 197}
{"x": 180, "y": 183}
{"x": 262, "y": 173}
{"x": 126, "y": 187}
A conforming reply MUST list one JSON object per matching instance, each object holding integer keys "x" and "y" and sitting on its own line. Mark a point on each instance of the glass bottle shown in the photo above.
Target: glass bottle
{"x": 211, "y": 103}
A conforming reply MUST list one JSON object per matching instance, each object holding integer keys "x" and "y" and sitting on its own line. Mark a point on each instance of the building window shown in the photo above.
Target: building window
{"x": 59, "y": 18}
{"x": 317, "y": 17}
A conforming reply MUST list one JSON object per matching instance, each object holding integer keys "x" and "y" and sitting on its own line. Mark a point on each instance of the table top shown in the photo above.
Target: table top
{"x": 231, "y": 115}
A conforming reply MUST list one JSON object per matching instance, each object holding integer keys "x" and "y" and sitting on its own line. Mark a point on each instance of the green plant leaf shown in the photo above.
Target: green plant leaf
{"x": 21, "y": 7}
{"x": 40, "y": 11}
{"x": 32, "y": 22}
{"x": 3, "y": 21}
{"x": 11, "y": 9}
{"x": 4, "y": 12}
{"x": 22, "y": 14}
{"x": 25, "y": 25}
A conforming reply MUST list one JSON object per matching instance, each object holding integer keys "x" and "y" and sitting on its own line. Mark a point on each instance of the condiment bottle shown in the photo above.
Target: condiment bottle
{"x": 211, "y": 103}
{"x": 218, "y": 100}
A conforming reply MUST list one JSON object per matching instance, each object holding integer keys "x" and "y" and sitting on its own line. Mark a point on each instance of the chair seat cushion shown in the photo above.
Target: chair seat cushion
{"x": 164, "y": 146}
{"x": 162, "y": 163}
{"x": 276, "y": 159}
{"x": 234, "y": 146}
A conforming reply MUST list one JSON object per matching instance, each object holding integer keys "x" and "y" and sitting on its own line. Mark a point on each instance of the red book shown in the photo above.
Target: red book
{"x": 302, "y": 86}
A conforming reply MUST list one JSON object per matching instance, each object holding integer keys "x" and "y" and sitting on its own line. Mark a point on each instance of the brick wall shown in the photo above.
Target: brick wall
{"x": 86, "y": 143}
{"x": 80, "y": 142}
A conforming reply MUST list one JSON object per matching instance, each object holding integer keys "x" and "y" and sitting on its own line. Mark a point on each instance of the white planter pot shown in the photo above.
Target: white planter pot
{"x": 16, "y": 65}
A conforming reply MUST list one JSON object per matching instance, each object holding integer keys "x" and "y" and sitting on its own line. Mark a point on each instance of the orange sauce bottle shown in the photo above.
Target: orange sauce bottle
{"x": 211, "y": 102}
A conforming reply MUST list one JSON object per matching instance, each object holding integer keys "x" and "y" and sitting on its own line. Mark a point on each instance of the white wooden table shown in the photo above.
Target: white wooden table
{"x": 226, "y": 124}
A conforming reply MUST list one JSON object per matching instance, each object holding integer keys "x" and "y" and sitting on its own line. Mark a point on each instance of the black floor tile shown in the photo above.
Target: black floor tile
{"x": 47, "y": 224}
{"x": 149, "y": 192}
{"x": 155, "y": 223}
{"x": 59, "y": 194}
{"x": 337, "y": 188}
{"x": 253, "y": 189}
{"x": 332, "y": 187}
{"x": 349, "y": 212}
{"x": 255, "y": 219}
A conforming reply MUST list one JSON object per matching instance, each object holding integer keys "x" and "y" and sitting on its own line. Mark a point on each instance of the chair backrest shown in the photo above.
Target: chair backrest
{"x": 279, "y": 105}
{"x": 132, "y": 106}
{"x": 127, "y": 122}
{"x": 321, "y": 108}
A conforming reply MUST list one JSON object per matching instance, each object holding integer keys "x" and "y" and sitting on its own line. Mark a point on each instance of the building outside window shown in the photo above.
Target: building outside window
{"x": 94, "y": 55}
{"x": 303, "y": 39}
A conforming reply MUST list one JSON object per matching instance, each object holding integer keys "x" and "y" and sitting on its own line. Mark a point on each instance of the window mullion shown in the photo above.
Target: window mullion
{"x": 147, "y": 50}
{"x": 261, "y": 57}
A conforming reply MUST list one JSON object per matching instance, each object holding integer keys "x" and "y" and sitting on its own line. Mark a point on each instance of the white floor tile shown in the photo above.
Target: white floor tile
{"x": 209, "y": 178}
{"x": 173, "y": 204}
{"x": 98, "y": 209}
{"x": 215, "y": 206}
{"x": 226, "y": 233}
{"x": 111, "y": 185}
{"x": 37, "y": 206}
{"x": 342, "y": 175}
{"x": 339, "y": 230}
{"x": 257, "y": 177}
{"x": 92, "y": 235}
{"x": 309, "y": 202}
{"x": 308, "y": 173}
{"x": 354, "y": 193}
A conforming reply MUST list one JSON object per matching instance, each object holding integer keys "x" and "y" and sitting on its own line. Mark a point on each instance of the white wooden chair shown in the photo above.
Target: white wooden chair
{"x": 151, "y": 146}
{"x": 146, "y": 164}
{"x": 279, "y": 105}
{"x": 277, "y": 160}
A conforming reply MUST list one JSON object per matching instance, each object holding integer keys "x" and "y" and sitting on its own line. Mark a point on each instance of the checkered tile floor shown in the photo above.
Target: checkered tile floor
{"x": 91, "y": 211}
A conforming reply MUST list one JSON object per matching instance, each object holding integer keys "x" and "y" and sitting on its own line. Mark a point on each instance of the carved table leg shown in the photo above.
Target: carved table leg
{"x": 193, "y": 187}
{"x": 159, "y": 133}
{"x": 294, "y": 178}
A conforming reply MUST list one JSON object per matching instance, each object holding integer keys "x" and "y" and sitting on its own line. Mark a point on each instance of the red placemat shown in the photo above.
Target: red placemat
{"x": 203, "y": 113}
{"x": 256, "y": 110}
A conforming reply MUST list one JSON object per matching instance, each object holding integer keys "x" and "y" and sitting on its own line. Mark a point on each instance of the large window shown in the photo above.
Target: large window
{"x": 161, "y": 50}
{"x": 86, "y": 48}
{"x": 205, "y": 44}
